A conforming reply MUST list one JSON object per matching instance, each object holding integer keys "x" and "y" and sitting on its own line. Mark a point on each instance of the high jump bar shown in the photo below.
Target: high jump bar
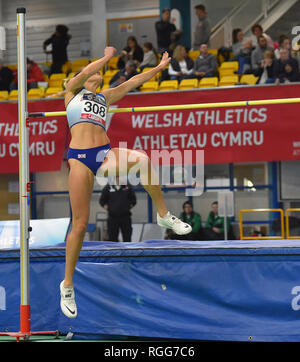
{"x": 181, "y": 106}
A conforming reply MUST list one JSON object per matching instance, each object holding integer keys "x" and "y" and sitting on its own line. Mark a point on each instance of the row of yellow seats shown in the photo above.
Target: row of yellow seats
{"x": 211, "y": 82}
{"x": 34, "y": 93}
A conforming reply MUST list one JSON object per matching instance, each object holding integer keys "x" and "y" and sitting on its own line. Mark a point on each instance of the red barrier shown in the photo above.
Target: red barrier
{"x": 234, "y": 134}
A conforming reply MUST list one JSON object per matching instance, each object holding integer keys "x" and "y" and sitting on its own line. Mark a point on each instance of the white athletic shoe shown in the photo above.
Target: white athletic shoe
{"x": 172, "y": 222}
{"x": 67, "y": 301}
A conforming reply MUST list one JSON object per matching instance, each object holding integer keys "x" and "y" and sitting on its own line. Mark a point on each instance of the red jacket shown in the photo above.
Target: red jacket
{"x": 35, "y": 74}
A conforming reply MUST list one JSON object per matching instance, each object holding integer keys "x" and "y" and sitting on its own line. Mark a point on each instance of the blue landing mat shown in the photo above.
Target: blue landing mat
{"x": 221, "y": 290}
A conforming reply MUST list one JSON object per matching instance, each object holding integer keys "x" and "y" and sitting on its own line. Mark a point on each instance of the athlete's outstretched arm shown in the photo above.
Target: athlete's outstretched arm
{"x": 114, "y": 94}
{"x": 77, "y": 82}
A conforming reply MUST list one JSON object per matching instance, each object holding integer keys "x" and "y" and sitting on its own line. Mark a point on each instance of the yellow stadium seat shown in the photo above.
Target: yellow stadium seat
{"x": 208, "y": 82}
{"x": 188, "y": 83}
{"x": 213, "y": 51}
{"x": 233, "y": 66}
{"x": 71, "y": 75}
{"x": 105, "y": 86}
{"x": 113, "y": 63}
{"x": 249, "y": 79}
{"x": 56, "y": 79}
{"x": 54, "y": 92}
{"x": 12, "y": 66}
{"x": 150, "y": 86}
{"x": 78, "y": 64}
{"x": 167, "y": 85}
{"x": 3, "y": 95}
{"x": 194, "y": 54}
{"x": 13, "y": 95}
{"x": 66, "y": 68}
{"x": 35, "y": 93}
{"x": 228, "y": 80}
{"x": 157, "y": 75}
{"x": 108, "y": 75}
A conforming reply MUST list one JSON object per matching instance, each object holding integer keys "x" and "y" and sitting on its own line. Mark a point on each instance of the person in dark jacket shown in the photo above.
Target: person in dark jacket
{"x": 164, "y": 29}
{"x": 123, "y": 75}
{"x": 181, "y": 66}
{"x": 6, "y": 77}
{"x": 132, "y": 51}
{"x": 286, "y": 68}
{"x": 118, "y": 200}
{"x": 59, "y": 41}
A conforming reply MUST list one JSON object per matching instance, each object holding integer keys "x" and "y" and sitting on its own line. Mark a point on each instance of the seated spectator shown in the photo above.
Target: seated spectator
{"x": 257, "y": 31}
{"x": 181, "y": 66}
{"x": 258, "y": 54}
{"x": 150, "y": 56}
{"x": 214, "y": 227}
{"x": 241, "y": 48}
{"x": 131, "y": 52}
{"x": 192, "y": 218}
{"x": 6, "y": 77}
{"x": 286, "y": 68}
{"x": 206, "y": 64}
{"x": 284, "y": 43}
{"x": 34, "y": 75}
{"x": 124, "y": 74}
{"x": 267, "y": 69}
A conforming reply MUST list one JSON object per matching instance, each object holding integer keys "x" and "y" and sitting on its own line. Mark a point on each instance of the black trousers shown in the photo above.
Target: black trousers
{"x": 115, "y": 224}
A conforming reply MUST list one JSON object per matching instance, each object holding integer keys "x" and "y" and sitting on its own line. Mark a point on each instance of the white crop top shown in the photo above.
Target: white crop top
{"x": 86, "y": 106}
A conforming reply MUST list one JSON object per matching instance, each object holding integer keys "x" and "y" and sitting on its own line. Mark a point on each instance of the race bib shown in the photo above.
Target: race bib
{"x": 93, "y": 108}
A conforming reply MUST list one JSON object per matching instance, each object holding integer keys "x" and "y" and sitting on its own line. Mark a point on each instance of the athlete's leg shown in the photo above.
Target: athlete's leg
{"x": 123, "y": 160}
{"x": 81, "y": 182}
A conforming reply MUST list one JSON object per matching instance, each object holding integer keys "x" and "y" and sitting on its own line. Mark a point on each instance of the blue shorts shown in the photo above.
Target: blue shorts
{"x": 91, "y": 157}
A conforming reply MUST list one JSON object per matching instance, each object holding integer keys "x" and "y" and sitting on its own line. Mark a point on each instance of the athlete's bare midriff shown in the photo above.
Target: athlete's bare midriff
{"x": 88, "y": 135}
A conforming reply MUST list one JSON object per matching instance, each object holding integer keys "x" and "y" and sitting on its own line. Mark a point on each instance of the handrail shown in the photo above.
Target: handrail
{"x": 287, "y": 223}
{"x": 261, "y": 237}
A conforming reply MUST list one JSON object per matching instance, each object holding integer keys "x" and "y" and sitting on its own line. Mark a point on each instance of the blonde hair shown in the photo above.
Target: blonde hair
{"x": 177, "y": 51}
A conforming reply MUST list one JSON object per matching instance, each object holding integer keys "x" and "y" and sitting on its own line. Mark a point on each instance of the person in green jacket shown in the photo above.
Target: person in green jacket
{"x": 192, "y": 218}
{"x": 214, "y": 227}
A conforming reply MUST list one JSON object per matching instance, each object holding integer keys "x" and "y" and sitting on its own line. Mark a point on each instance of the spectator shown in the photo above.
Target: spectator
{"x": 132, "y": 51}
{"x": 192, "y": 218}
{"x": 241, "y": 48}
{"x": 59, "y": 41}
{"x": 286, "y": 68}
{"x": 120, "y": 77}
{"x": 284, "y": 43}
{"x": 202, "y": 30}
{"x": 34, "y": 75}
{"x": 150, "y": 56}
{"x": 164, "y": 28}
{"x": 258, "y": 54}
{"x": 6, "y": 77}
{"x": 181, "y": 66}
{"x": 257, "y": 31}
{"x": 214, "y": 227}
{"x": 118, "y": 200}
{"x": 267, "y": 69}
{"x": 206, "y": 64}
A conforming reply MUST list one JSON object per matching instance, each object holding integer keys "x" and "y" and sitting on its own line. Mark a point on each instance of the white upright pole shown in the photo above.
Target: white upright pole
{"x": 24, "y": 184}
